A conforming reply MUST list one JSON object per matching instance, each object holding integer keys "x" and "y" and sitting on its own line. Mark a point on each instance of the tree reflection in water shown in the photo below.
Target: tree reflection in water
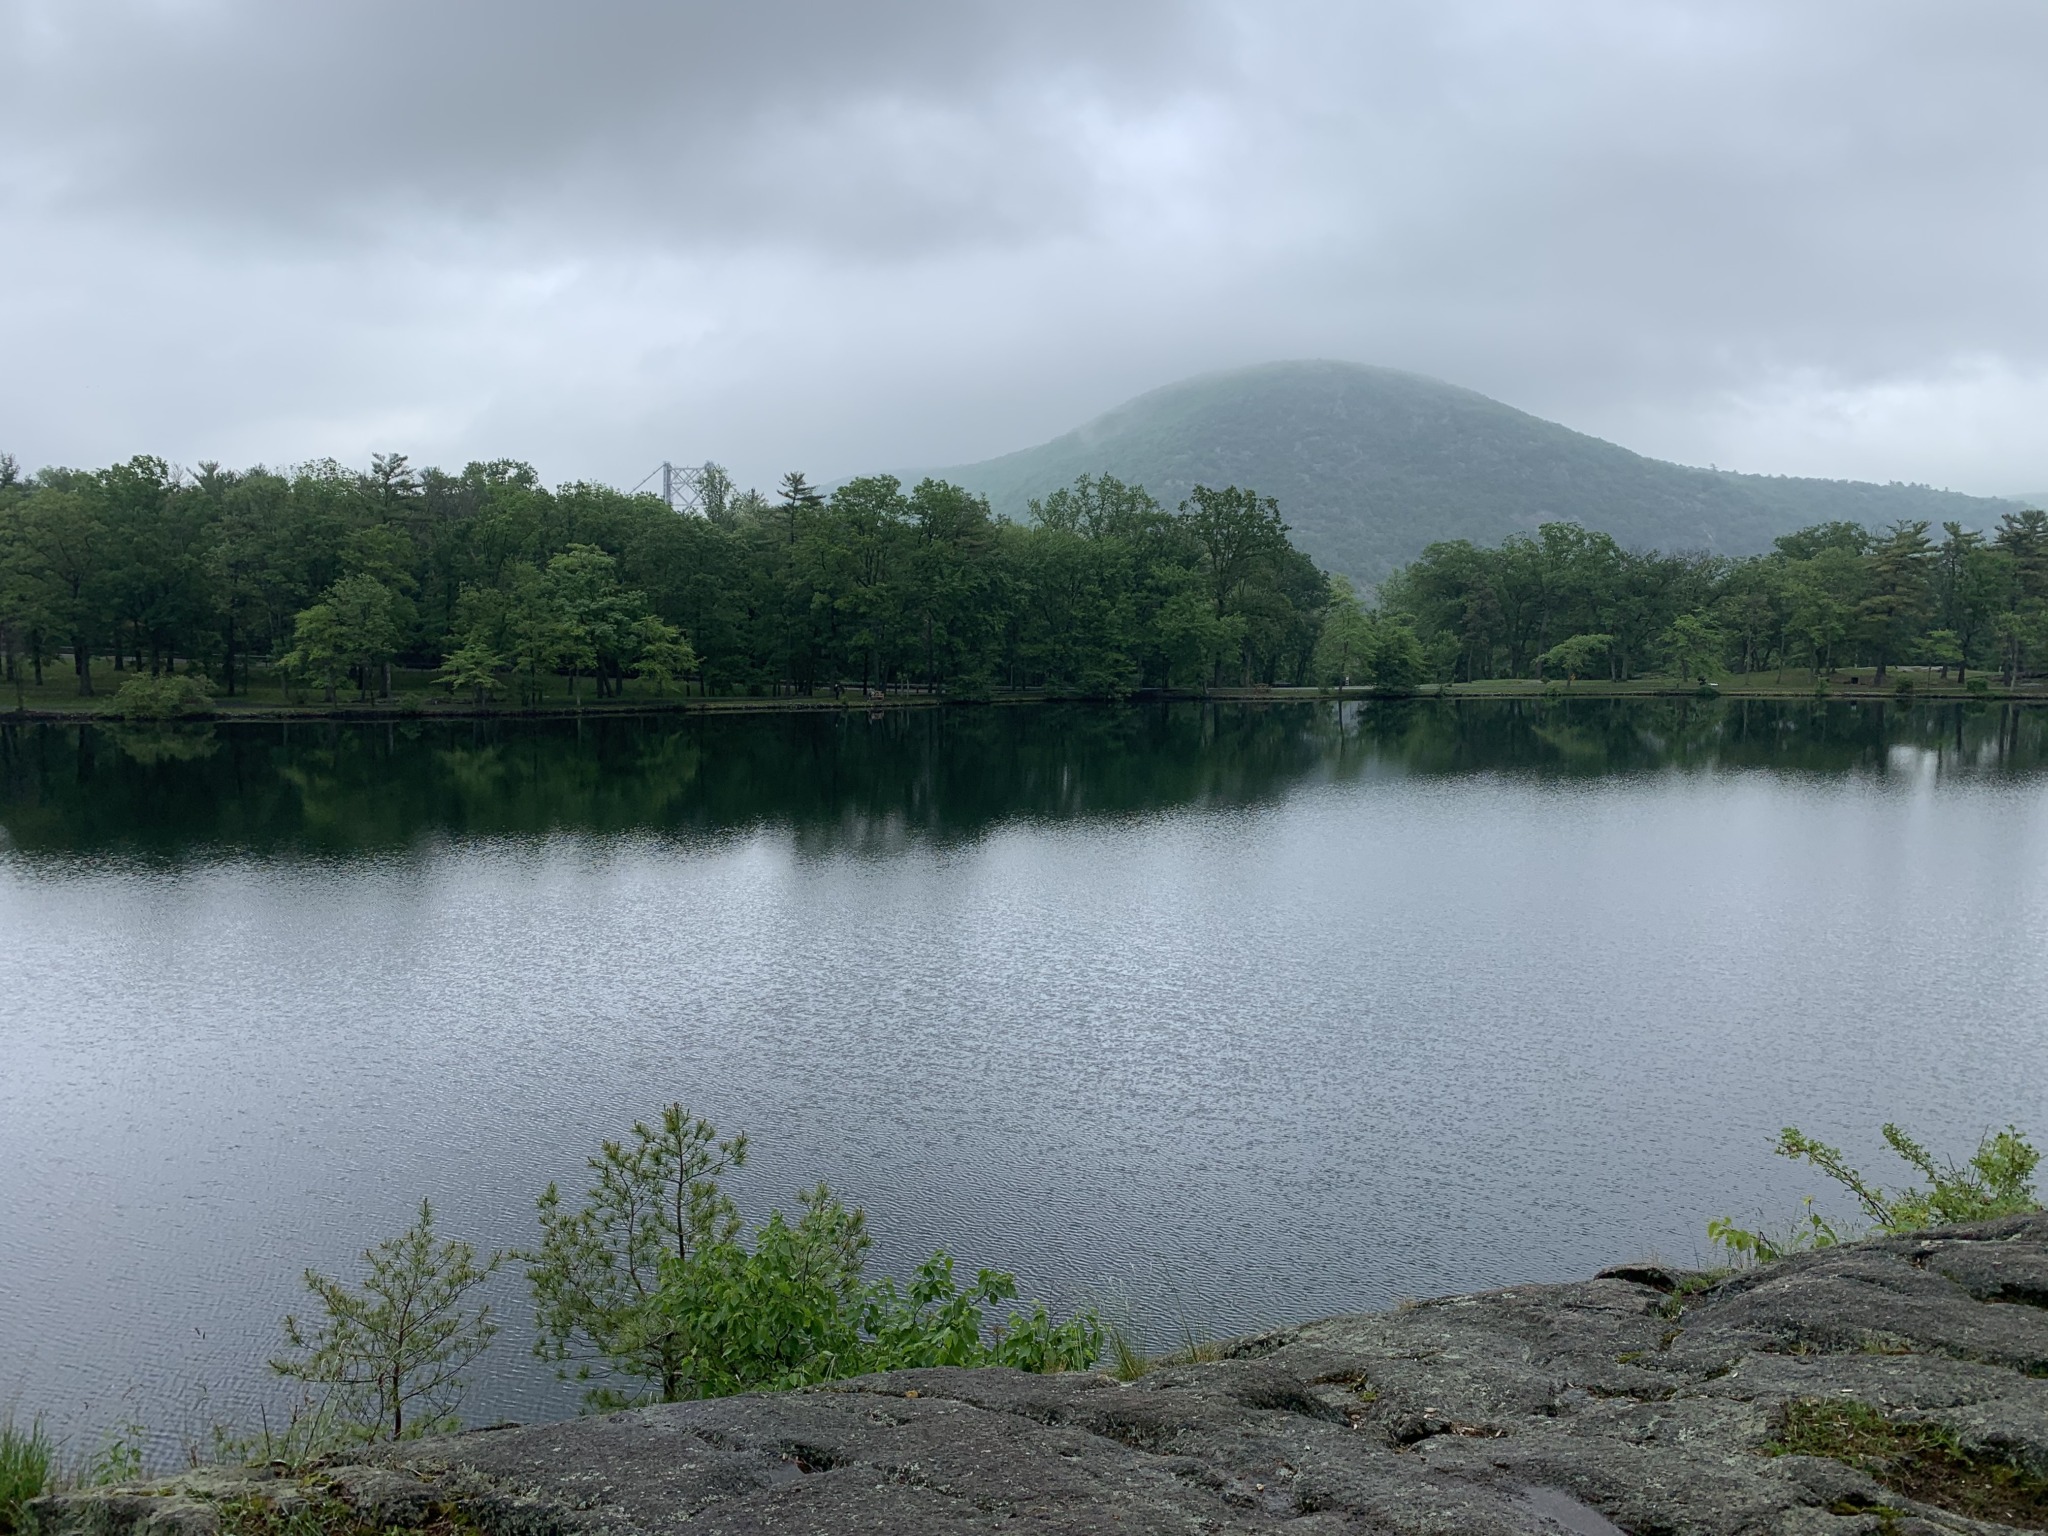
{"x": 856, "y": 780}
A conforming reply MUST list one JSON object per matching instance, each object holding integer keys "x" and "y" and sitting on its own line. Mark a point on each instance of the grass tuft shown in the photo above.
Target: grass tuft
{"x": 25, "y": 1456}
{"x": 1127, "y": 1362}
{"x": 322, "y": 1514}
{"x": 1922, "y": 1461}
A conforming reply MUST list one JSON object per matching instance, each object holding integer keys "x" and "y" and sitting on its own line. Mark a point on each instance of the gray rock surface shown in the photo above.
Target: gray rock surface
{"x": 1622, "y": 1403}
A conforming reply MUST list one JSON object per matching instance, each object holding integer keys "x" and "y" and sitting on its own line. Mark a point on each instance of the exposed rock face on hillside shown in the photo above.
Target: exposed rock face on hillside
{"x": 1609, "y": 1405}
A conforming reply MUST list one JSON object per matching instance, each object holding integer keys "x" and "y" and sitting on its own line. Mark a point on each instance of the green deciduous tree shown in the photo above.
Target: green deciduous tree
{"x": 662, "y": 653}
{"x": 320, "y": 651}
{"x": 1195, "y": 641}
{"x": 948, "y": 584}
{"x": 783, "y": 1312}
{"x": 596, "y": 619}
{"x": 1398, "y": 661}
{"x": 1098, "y": 507}
{"x": 1581, "y": 653}
{"x": 1945, "y": 649}
{"x": 2022, "y": 635}
{"x": 64, "y": 560}
{"x": 352, "y": 630}
{"x": 1824, "y": 592}
{"x": 1241, "y": 541}
{"x": 473, "y": 668}
{"x": 1694, "y": 644}
{"x": 1349, "y": 640}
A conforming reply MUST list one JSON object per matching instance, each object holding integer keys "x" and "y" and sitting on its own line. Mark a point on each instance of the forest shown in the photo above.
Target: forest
{"x": 333, "y": 576}
{"x": 497, "y": 587}
{"x": 1568, "y": 602}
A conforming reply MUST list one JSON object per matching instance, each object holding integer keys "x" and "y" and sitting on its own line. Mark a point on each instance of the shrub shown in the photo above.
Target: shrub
{"x": 1802, "y": 1234}
{"x": 652, "y": 1289}
{"x": 1998, "y": 1180}
{"x": 937, "y": 1323}
{"x": 794, "y": 1310}
{"x": 164, "y": 697}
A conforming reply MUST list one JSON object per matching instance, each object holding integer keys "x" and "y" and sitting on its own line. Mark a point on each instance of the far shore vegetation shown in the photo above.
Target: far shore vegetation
{"x": 146, "y": 591}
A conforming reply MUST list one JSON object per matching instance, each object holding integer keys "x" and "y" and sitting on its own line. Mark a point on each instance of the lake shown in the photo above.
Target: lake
{"x": 1222, "y": 1016}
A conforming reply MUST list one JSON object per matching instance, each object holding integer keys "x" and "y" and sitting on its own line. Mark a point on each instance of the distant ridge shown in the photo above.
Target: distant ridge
{"x": 1370, "y": 465}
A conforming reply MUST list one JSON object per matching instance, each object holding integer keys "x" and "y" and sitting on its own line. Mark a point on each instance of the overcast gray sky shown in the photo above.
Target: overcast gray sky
{"x": 847, "y": 234}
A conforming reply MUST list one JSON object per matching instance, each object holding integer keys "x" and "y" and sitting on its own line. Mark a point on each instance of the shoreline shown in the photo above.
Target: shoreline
{"x": 90, "y": 711}
{"x": 1878, "y": 1386}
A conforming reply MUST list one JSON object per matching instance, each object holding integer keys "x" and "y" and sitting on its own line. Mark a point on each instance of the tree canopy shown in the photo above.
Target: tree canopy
{"x": 334, "y": 575}
{"x": 498, "y": 584}
{"x": 1565, "y": 600}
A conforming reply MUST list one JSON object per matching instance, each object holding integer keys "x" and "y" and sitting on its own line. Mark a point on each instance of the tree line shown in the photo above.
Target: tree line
{"x": 1565, "y": 602}
{"x": 331, "y": 577}
{"x": 334, "y": 576}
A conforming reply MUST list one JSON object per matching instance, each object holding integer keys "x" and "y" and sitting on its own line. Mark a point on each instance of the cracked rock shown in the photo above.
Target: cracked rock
{"x": 1637, "y": 1402}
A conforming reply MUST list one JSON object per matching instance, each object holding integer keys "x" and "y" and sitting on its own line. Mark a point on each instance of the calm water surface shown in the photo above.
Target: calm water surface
{"x": 1232, "y": 1015}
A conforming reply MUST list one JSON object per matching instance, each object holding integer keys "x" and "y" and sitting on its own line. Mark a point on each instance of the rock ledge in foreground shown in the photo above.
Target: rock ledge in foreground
{"x": 1619, "y": 1404}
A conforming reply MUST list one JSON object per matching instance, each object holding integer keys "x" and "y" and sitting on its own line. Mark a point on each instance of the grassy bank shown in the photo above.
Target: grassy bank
{"x": 1900, "y": 685}
{"x": 416, "y": 694}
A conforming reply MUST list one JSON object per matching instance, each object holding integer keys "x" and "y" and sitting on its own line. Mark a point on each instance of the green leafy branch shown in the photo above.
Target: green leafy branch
{"x": 1997, "y": 1180}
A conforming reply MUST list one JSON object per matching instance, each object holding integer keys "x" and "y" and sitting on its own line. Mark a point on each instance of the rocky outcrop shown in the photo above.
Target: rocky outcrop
{"x": 1642, "y": 1401}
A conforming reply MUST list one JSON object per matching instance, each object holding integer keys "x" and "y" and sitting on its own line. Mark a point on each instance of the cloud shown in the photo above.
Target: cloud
{"x": 846, "y": 235}
{"x": 788, "y": 122}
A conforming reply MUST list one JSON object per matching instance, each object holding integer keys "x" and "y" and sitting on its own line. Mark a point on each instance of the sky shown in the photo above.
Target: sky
{"x": 1786, "y": 236}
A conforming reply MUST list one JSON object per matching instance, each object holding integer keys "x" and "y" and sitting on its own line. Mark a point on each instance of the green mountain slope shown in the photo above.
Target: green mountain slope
{"x": 1369, "y": 465}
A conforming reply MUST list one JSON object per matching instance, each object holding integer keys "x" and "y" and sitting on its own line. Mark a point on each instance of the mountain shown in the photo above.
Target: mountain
{"x": 1369, "y": 465}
